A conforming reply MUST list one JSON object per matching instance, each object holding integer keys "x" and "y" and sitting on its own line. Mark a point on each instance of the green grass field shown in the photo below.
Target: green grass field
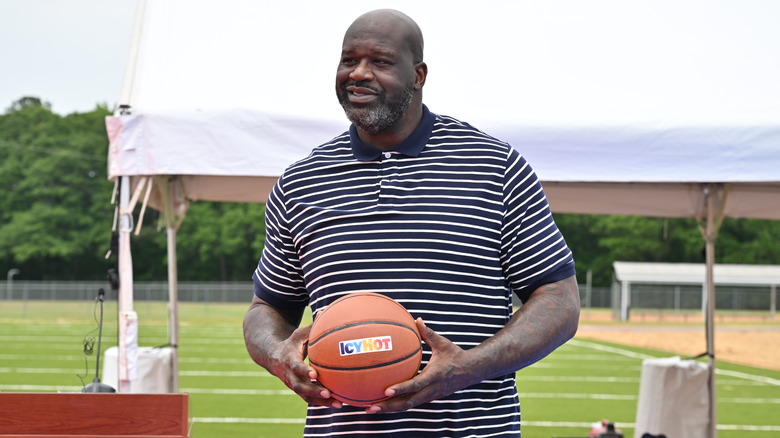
{"x": 580, "y": 383}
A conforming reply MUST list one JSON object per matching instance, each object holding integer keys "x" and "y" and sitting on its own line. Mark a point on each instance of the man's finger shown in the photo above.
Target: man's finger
{"x": 422, "y": 328}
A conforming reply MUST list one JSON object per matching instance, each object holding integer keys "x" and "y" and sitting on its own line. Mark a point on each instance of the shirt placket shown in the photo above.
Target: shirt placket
{"x": 388, "y": 175}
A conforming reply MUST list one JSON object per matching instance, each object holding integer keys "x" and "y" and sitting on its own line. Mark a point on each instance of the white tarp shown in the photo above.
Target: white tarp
{"x": 673, "y": 399}
{"x": 605, "y": 91}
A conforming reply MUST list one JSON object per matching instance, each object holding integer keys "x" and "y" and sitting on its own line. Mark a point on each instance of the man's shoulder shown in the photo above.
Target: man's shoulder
{"x": 338, "y": 143}
{"x": 452, "y": 130}
{"x": 338, "y": 147}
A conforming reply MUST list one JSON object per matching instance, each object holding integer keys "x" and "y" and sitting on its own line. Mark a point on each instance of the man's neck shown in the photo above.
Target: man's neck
{"x": 391, "y": 138}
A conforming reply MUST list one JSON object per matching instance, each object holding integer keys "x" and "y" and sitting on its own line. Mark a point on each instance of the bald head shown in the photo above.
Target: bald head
{"x": 390, "y": 21}
{"x": 381, "y": 75}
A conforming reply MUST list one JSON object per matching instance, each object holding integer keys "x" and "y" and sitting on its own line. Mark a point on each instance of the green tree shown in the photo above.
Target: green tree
{"x": 221, "y": 241}
{"x": 56, "y": 214}
{"x": 55, "y": 193}
{"x": 28, "y": 101}
{"x": 599, "y": 240}
{"x": 751, "y": 241}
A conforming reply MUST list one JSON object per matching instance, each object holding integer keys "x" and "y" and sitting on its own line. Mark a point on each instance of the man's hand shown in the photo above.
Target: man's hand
{"x": 546, "y": 320}
{"x": 446, "y": 372}
{"x": 291, "y": 369}
{"x": 274, "y": 342}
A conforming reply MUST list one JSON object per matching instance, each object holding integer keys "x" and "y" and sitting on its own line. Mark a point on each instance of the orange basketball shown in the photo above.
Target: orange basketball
{"x": 361, "y": 344}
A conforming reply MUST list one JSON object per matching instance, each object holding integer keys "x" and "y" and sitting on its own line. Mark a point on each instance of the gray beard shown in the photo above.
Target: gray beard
{"x": 380, "y": 116}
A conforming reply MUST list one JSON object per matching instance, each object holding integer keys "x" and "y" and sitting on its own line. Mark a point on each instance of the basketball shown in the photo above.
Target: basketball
{"x": 361, "y": 344}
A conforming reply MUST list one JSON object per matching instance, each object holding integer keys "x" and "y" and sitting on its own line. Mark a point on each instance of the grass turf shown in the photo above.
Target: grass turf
{"x": 41, "y": 345}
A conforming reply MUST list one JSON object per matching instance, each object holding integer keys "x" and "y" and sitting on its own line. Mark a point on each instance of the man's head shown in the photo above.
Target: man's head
{"x": 381, "y": 73}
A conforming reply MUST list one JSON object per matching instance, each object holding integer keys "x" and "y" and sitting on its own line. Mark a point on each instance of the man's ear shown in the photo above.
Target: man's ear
{"x": 421, "y": 73}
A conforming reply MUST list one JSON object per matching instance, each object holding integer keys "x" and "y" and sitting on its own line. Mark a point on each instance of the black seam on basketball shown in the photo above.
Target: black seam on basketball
{"x": 368, "y": 367}
{"x": 354, "y": 324}
{"x": 363, "y": 294}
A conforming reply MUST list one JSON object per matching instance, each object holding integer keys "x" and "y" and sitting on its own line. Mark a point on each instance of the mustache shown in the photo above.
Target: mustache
{"x": 360, "y": 84}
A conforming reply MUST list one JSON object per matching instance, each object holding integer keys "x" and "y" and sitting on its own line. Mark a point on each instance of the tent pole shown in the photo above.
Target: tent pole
{"x": 710, "y": 236}
{"x": 127, "y": 341}
{"x": 127, "y": 95}
{"x": 172, "y": 221}
{"x": 173, "y": 305}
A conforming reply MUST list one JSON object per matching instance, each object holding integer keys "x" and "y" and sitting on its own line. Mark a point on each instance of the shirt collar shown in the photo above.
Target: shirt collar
{"x": 411, "y": 146}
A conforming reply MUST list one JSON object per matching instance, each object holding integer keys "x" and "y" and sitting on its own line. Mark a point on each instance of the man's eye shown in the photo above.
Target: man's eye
{"x": 348, "y": 61}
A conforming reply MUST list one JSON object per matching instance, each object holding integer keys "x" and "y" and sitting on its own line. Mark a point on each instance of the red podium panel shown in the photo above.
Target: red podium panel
{"x": 70, "y": 415}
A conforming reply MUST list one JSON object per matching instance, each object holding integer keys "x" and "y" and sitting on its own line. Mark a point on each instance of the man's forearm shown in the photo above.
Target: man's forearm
{"x": 264, "y": 328}
{"x": 547, "y": 320}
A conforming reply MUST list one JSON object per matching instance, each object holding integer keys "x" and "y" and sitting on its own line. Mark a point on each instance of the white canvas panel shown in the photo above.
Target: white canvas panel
{"x": 673, "y": 399}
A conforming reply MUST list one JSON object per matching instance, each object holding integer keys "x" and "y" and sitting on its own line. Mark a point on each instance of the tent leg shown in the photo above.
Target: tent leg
{"x": 710, "y": 236}
{"x": 173, "y": 306}
{"x": 172, "y": 222}
{"x": 128, "y": 321}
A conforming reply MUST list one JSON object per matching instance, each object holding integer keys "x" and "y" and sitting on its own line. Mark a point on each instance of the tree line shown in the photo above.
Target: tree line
{"x": 56, "y": 217}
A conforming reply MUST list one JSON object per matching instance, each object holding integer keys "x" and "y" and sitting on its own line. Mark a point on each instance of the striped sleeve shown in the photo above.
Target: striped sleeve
{"x": 279, "y": 278}
{"x": 533, "y": 251}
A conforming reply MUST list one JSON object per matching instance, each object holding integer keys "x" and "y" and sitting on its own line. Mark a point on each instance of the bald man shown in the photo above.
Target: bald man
{"x": 430, "y": 211}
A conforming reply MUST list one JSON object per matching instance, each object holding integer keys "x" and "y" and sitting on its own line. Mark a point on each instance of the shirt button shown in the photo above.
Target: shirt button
{"x": 388, "y": 155}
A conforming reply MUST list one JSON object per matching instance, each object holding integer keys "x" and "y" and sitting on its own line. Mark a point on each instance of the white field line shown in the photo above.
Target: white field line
{"x": 40, "y": 356}
{"x": 195, "y": 373}
{"x": 258, "y": 373}
{"x": 556, "y": 424}
{"x": 226, "y": 360}
{"x": 76, "y": 339}
{"x": 77, "y": 347}
{"x": 620, "y": 351}
{"x": 221, "y": 360}
{"x": 574, "y": 356}
{"x": 278, "y": 392}
{"x": 261, "y": 373}
{"x": 595, "y": 366}
{"x": 753, "y": 381}
{"x": 585, "y": 379}
{"x": 608, "y": 349}
{"x": 762, "y": 379}
{"x": 236, "y": 420}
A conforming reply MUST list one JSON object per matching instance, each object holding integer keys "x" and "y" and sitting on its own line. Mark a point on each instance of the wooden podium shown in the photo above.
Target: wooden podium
{"x": 70, "y": 415}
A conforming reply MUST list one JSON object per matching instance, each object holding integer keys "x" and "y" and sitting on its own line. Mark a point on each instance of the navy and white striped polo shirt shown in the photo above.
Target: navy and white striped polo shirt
{"x": 449, "y": 224}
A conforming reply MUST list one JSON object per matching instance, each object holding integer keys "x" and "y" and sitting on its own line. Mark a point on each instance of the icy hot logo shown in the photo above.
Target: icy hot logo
{"x": 366, "y": 345}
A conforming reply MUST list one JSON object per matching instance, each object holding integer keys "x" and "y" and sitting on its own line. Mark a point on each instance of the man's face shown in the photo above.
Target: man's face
{"x": 375, "y": 80}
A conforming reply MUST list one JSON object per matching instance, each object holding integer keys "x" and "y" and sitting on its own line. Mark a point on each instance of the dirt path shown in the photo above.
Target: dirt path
{"x": 757, "y": 345}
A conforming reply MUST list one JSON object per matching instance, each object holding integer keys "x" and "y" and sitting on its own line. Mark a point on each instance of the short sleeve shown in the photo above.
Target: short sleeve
{"x": 278, "y": 279}
{"x": 533, "y": 250}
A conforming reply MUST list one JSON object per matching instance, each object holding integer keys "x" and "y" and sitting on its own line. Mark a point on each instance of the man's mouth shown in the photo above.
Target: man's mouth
{"x": 360, "y": 93}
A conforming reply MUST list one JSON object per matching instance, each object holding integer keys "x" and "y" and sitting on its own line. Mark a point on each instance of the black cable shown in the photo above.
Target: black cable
{"x": 699, "y": 356}
{"x": 88, "y": 344}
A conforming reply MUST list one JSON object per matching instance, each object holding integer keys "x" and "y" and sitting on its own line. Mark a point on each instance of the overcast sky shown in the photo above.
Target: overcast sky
{"x": 687, "y": 57}
{"x": 70, "y": 53}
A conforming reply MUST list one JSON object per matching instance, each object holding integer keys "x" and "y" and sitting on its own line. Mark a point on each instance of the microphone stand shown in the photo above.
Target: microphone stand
{"x": 96, "y": 386}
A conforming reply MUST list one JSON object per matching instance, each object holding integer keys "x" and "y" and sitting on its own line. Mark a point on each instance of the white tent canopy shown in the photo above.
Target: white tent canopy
{"x": 591, "y": 92}
{"x": 657, "y": 108}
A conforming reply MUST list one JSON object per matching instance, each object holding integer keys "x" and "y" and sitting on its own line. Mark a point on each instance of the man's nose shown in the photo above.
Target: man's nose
{"x": 362, "y": 72}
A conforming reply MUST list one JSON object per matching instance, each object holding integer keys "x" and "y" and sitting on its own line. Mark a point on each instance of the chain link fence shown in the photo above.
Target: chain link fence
{"x": 645, "y": 298}
{"x": 686, "y": 300}
{"x": 223, "y": 292}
